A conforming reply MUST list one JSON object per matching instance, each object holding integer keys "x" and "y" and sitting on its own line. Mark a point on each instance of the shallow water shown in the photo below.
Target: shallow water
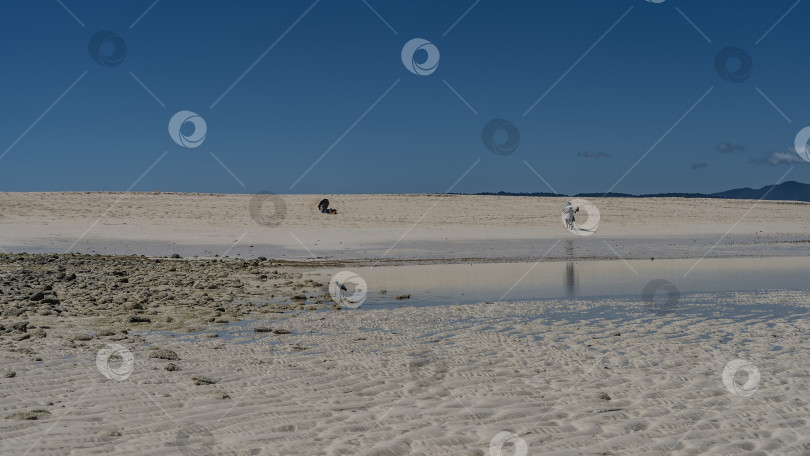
{"x": 443, "y": 284}
{"x": 239, "y": 332}
{"x": 582, "y": 290}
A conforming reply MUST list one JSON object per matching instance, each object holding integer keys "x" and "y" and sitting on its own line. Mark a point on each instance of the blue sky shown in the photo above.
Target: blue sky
{"x": 326, "y": 79}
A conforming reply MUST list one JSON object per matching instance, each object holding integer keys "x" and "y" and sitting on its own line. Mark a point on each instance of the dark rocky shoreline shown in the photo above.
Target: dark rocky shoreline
{"x": 112, "y": 295}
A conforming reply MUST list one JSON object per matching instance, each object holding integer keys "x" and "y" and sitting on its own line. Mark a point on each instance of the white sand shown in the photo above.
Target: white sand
{"x": 422, "y": 381}
{"x": 391, "y": 226}
{"x": 434, "y": 381}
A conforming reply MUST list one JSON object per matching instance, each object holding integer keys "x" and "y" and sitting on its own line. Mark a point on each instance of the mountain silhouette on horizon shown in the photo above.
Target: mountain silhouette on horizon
{"x": 786, "y": 191}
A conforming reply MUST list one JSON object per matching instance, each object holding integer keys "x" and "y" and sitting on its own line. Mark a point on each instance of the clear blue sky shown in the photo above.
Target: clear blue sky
{"x": 340, "y": 57}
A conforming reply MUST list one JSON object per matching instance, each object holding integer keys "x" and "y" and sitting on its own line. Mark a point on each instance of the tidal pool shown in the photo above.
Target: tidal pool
{"x": 442, "y": 284}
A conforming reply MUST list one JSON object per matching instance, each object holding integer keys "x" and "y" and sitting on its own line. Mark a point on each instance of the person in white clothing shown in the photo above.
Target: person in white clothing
{"x": 569, "y": 210}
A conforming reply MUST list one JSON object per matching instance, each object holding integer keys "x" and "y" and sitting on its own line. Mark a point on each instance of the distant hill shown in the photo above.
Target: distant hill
{"x": 786, "y": 191}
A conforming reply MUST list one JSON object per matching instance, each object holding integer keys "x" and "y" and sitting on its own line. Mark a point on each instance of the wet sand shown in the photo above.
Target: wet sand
{"x": 429, "y": 381}
{"x": 237, "y": 356}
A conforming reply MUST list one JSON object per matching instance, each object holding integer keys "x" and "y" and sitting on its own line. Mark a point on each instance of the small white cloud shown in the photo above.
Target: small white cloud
{"x": 776, "y": 158}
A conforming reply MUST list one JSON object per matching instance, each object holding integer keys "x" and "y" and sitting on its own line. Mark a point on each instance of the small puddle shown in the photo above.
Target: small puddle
{"x": 235, "y": 333}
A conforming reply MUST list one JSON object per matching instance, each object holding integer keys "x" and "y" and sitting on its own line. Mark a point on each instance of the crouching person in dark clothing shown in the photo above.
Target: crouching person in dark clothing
{"x": 323, "y": 206}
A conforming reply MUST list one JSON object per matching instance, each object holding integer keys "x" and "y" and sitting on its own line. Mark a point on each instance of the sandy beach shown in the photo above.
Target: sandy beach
{"x": 392, "y": 226}
{"x": 186, "y": 324}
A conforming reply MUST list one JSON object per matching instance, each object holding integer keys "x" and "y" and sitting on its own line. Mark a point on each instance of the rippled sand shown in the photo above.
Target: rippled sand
{"x": 240, "y": 357}
{"x": 430, "y": 381}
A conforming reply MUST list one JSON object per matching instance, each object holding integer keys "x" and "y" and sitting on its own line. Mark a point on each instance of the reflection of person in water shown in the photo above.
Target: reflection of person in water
{"x": 569, "y": 210}
{"x": 570, "y": 278}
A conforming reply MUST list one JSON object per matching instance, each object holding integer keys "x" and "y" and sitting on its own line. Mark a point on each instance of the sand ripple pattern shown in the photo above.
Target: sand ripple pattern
{"x": 424, "y": 381}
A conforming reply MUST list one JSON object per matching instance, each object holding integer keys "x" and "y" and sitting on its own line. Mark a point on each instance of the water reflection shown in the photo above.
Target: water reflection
{"x": 570, "y": 277}
{"x": 471, "y": 283}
